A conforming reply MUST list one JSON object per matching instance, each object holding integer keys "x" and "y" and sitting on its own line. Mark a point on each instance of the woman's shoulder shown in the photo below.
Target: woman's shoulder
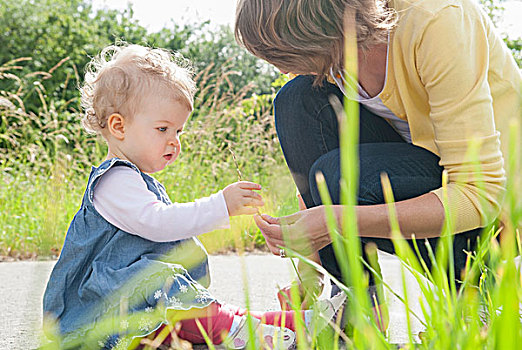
{"x": 425, "y": 6}
{"x": 419, "y": 12}
{"x": 449, "y": 18}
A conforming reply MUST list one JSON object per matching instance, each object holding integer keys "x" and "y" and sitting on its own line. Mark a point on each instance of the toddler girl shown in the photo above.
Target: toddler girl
{"x": 131, "y": 262}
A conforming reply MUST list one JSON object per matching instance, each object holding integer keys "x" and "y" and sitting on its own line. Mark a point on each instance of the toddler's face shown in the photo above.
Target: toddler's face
{"x": 152, "y": 135}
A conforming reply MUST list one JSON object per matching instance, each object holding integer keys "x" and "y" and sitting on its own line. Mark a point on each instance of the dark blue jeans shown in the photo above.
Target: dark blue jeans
{"x": 308, "y": 132}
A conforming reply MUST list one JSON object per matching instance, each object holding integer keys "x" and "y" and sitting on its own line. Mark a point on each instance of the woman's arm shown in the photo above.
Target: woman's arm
{"x": 453, "y": 62}
{"x": 307, "y": 232}
{"x": 421, "y": 217}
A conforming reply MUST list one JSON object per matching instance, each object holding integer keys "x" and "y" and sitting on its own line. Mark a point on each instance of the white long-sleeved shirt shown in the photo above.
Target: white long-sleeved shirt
{"x": 123, "y": 199}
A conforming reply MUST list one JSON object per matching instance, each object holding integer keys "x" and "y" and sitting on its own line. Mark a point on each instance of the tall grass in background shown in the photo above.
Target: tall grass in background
{"x": 46, "y": 158}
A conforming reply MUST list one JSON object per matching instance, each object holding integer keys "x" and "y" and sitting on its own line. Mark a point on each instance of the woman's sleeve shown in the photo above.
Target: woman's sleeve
{"x": 123, "y": 199}
{"x": 452, "y": 62}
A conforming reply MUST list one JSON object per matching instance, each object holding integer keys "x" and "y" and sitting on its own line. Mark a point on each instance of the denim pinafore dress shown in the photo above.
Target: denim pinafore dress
{"x": 110, "y": 286}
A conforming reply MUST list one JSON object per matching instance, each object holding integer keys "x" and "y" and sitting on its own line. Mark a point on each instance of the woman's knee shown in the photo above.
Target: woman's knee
{"x": 293, "y": 91}
{"x": 289, "y": 107}
{"x": 329, "y": 166}
{"x": 299, "y": 98}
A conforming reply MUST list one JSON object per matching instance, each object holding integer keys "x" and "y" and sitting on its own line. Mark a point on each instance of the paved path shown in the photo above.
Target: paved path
{"x": 23, "y": 283}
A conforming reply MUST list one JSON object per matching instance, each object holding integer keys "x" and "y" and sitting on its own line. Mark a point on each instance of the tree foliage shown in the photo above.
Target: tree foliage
{"x": 64, "y": 34}
{"x": 495, "y": 10}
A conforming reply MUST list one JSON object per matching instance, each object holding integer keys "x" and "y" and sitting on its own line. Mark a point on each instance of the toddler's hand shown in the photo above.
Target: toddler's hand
{"x": 241, "y": 199}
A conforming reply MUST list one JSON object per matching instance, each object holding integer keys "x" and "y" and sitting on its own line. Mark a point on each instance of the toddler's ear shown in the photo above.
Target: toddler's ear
{"x": 116, "y": 126}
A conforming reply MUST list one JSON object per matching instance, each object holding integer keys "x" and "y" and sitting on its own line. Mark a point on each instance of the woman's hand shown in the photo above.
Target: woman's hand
{"x": 241, "y": 198}
{"x": 305, "y": 232}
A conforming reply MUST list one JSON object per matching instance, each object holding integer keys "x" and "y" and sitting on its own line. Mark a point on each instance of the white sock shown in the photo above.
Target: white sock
{"x": 235, "y": 324}
{"x": 308, "y": 314}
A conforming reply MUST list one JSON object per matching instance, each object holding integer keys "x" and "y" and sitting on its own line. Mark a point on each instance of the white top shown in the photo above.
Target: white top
{"x": 122, "y": 198}
{"x": 374, "y": 104}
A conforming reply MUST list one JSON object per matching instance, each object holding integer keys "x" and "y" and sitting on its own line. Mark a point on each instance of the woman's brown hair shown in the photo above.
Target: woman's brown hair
{"x": 306, "y": 36}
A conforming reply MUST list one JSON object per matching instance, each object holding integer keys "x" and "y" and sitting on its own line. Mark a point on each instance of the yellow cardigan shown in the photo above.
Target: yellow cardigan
{"x": 454, "y": 80}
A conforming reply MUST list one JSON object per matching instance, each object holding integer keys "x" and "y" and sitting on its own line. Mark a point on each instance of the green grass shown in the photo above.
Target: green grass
{"x": 38, "y": 205}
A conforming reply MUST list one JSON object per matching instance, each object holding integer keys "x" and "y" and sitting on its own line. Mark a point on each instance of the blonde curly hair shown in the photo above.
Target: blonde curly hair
{"x": 307, "y": 36}
{"x": 122, "y": 75}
